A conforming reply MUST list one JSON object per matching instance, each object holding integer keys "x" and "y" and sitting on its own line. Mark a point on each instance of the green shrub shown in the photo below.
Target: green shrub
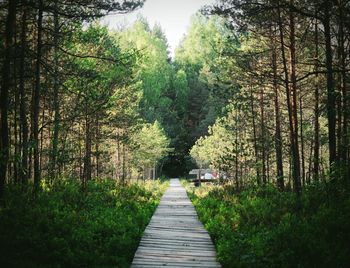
{"x": 65, "y": 227}
{"x": 263, "y": 227}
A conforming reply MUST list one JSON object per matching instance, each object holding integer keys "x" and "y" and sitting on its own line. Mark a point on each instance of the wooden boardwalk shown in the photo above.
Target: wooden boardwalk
{"x": 175, "y": 237}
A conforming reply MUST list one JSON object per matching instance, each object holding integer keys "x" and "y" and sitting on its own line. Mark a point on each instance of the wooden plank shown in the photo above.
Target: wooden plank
{"x": 175, "y": 237}
{"x": 183, "y": 242}
{"x": 180, "y": 247}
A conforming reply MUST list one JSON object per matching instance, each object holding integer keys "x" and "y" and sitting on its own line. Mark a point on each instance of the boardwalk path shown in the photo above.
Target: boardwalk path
{"x": 175, "y": 237}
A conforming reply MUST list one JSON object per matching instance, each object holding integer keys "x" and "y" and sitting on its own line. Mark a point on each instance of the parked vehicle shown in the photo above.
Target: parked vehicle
{"x": 208, "y": 176}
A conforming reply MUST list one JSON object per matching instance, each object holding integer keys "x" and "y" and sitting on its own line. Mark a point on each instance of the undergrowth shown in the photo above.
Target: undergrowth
{"x": 65, "y": 227}
{"x": 263, "y": 227}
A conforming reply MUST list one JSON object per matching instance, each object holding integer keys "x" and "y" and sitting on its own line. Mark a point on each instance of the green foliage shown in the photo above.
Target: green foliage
{"x": 203, "y": 56}
{"x": 199, "y": 78}
{"x": 263, "y": 227}
{"x": 65, "y": 227}
{"x": 220, "y": 148}
{"x": 150, "y": 145}
{"x": 152, "y": 70}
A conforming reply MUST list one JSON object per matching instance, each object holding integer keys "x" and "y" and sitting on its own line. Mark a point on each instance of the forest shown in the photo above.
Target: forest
{"x": 93, "y": 122}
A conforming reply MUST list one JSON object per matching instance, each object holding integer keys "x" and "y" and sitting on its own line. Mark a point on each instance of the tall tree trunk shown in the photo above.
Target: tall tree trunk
{"x": 296, "y": 156}
{"x": 42, "y": 132}
{"x": 81, "y": 173}
{"x": 262, "y": 140}
{"x": 254, "y": 134}
{"x": 4, "y": 94}
{"x": 97, "y": 147}
{"x": 278, "y": 136}
{"x": 302, "y": 140}
{"x": 56, "y": 104}
{"x": 268, "y": 165}
{"x": 118, "y": 157}
{"x": 290, "y": 170}
{"x": 30, "y": 155}
{"x": 344, "y": 150}
{"x": 236, "y": 150}
{"x": 339, "y": 114}
{"x": 308, "y": 177}
{"x": 87, "y": 158}
{"x": 316, "y": 158}
{"x": 36, "y": 97}
{"x": 16, "y": 134}
{"x": 124, "y": 163}
{"x": 331, "y": 98}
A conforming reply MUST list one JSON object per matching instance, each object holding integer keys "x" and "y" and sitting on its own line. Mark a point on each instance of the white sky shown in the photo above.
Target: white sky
{"x": 173, "y": 16}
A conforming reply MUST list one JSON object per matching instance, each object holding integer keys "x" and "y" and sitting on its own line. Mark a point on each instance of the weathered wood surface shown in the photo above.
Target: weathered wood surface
{"x": 175, "y": 237}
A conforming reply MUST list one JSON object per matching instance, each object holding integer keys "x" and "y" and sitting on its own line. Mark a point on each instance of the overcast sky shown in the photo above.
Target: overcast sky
{"x": 173, "y": 16}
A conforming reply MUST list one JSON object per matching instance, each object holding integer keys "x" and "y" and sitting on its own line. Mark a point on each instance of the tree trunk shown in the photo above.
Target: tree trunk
{"x": 87, "y": 158}
{"x": 254, "y": 135}
{"x": 4, "y": 94}
{"x": 262, "y": 140}
{"x": 16, "y": 134}
{"x": 36, "y": 97}
{"x": 124, "y": 164}
{"x": 278, "y": 136}
{"x": 344, "y": 150}
{"x": 339, "y": 114}
{"x": 302, "y": 141}
{"x": 268, "y": 166}
{"x": 296, "y": 157}
{"x": 23, "y": 100}
{"x": 118, "y": 157}
{"x": 236, "y": 150}
{"x": 80, "y": 138}
{"x": 330, "y": 91}
{"x": 42, "y": 135}
{"x": 316, "y": 158}
{"x": 97, "y": 148}
{"x": 56, "y": 104}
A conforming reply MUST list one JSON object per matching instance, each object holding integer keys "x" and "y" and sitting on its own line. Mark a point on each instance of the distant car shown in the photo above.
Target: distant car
{"x": 208, "y": 176}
